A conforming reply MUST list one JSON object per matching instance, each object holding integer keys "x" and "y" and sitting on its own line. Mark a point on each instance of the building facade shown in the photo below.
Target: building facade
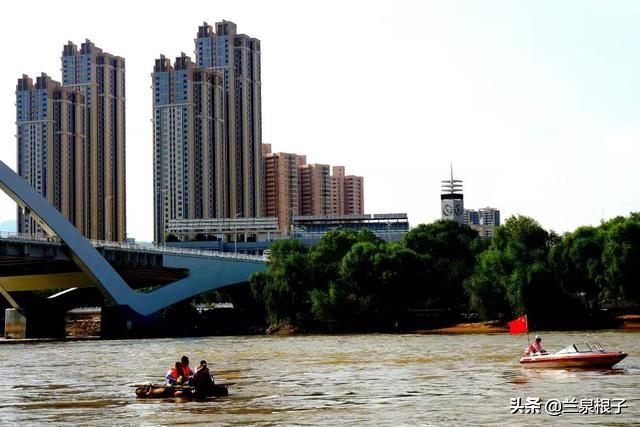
{"x": 295, "y": 188}
{"x": 281, "y": 187}
{"x": 189, "y": 151}
{"x": 483, "y": 220}
{"x": 346, "y": 193}
{"x": 489, "y": 217}
{"x": 237, "y": 58}
{"x": 471, "y": 217}
{"x": 315, "y": 189}
{"x": 100, "y": 76}
{"x": 50, "y": 142}
{"x": 88, "y": 151}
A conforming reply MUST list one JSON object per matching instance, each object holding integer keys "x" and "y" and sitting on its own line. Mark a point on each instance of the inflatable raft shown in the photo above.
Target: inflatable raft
{"x": 160, "y": 391}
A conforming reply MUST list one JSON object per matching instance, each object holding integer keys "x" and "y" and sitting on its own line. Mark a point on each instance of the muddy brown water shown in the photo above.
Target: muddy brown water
{"x": 311, "y": 380}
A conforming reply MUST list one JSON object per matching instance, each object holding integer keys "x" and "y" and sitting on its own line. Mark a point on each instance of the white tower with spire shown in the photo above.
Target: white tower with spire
{"x": 451, "y": 199}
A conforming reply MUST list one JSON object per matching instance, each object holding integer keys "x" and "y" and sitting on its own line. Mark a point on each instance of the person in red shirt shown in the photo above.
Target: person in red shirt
{"x": 536, "y": 346}
{"x": 185, "y": 371}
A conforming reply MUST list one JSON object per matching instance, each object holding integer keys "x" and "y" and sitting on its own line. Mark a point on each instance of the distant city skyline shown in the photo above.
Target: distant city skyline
{"x": 535, "y": 103}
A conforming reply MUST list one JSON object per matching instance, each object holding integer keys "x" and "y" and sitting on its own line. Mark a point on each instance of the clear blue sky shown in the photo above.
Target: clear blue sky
{"x": 536, "y": 103}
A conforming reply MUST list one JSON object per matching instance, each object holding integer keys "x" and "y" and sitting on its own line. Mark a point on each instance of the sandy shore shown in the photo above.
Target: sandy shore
{"x": 630, "y": 321}
{"x": 492, "y": 327}
{"x": 627, "y": 322}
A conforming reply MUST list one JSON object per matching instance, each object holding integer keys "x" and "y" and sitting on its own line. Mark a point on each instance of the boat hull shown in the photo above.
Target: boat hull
{"x": 588, "y": 360}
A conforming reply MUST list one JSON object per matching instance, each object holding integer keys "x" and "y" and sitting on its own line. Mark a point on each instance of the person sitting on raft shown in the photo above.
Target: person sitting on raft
{"x": 536, "y": 346}
{"x": 202, "y": 380}
{"x": 185, "y": 371}
{"x": 174, "y": 375}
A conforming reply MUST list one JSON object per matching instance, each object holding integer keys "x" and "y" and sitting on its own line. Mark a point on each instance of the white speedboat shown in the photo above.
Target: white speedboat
{"x": 575, "y": 356}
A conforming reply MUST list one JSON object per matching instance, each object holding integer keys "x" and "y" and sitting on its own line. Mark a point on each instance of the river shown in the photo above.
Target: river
{"x": 315, "y": 379}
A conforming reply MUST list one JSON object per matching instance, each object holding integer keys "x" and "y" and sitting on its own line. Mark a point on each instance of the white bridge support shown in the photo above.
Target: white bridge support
{"x": 207, "y": 270}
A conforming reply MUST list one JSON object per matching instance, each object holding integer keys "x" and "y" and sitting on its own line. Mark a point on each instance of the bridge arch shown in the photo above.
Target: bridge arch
{"x": 205, "y": 273}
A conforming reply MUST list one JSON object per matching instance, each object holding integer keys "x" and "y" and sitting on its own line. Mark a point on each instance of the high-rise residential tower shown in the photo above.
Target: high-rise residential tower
{"x": 336, "y": 182}
{"x": 50, "y": 141}
{"x": 295, "y": 188}
{"x": 347, "y": 193}
{"x": 353, "y": 195}
{"x": 282, "y": 196}
{"x": 189, "y": 151}
{"x": 100, "y": 76}
{"x": 237, "y": 57}
{"x": 315, "y": 189}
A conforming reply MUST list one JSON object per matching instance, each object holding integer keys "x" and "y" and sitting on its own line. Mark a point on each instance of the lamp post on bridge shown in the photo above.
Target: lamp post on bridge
{"x": 235, "y": 233}
{"x": 160, "y": 204}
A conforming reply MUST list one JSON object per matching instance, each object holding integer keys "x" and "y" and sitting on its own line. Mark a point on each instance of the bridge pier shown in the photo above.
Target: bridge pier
{"x": 40, "y": 322}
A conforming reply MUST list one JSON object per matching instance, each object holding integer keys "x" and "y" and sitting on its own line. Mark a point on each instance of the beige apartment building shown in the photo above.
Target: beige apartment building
{"x": 294, "y": 188}
{"x": 315, "y": 189}
{"x": 50, "y": 140}
{"x": 189, "y": 151}
{"x": 100, "y": 76}
{"x": 282, "y": 197}
{"x": 353, "y": 195}
{"x": 71, "y": 141}
{"x": 237, "y": 57}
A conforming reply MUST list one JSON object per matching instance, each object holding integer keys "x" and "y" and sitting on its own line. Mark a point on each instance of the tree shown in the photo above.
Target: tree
{"x": 285, "y": 284}
{"x": 577, "y": 260}
{"x": 621, "y": 257}
{"x": 507, "y": 276}
{"x": 447, "y": 251}
{"x": 326, "y": 255}
{"x": 171, "y": 238}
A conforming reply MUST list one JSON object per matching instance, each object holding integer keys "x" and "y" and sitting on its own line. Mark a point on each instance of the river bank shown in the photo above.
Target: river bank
{"x": 88, "y": 325}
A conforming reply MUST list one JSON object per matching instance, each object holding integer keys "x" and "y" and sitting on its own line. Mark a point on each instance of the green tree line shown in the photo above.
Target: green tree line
{"x": 354, "y": 280}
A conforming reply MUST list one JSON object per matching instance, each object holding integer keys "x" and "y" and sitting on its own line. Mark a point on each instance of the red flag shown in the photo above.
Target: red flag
{"x": 518, "y": 325}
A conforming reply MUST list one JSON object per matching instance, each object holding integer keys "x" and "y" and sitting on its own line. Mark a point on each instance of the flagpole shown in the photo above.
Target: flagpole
{"x": 526, "y": 321}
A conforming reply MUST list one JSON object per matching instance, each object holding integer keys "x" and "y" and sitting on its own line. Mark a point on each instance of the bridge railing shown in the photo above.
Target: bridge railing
{"x": 176, "y": 250}
{"x": 29, "y": 237}
{"x": 136, "y": 246}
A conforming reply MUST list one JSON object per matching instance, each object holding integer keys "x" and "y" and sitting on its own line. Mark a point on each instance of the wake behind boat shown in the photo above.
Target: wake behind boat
{"x": 575, "y": 356}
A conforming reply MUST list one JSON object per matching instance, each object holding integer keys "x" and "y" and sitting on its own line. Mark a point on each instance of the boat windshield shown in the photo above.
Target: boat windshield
{"x": 568, "y": 349}
{"x": 582, "y": 348}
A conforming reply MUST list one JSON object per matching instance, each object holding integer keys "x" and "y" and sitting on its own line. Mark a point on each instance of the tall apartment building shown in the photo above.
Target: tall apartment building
{"x": 282, "y": 196}
{"x": 50, "y": 142}
{"x": 295, "y": 188}
{"x": 189, "y": 152}
{"x": 100, "y": 76}
{"x": 237, "y": 57}
{"x": 315, "y": 189}
{"x": 347, "y": 193}
{"x": 337, "y": 184}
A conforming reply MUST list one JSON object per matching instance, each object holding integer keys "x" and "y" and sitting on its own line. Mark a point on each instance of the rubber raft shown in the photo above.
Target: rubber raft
{"x": 160, "y": 391}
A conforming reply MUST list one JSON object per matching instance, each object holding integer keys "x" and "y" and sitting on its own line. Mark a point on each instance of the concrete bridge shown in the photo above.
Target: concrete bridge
{"x": 134, "y": 280}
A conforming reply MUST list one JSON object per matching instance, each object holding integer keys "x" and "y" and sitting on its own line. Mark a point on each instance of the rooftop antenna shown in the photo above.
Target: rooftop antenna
{"x": 451, "y": 186}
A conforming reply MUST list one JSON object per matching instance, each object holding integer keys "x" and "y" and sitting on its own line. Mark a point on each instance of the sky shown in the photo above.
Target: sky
{"x": 537, "y": 104}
